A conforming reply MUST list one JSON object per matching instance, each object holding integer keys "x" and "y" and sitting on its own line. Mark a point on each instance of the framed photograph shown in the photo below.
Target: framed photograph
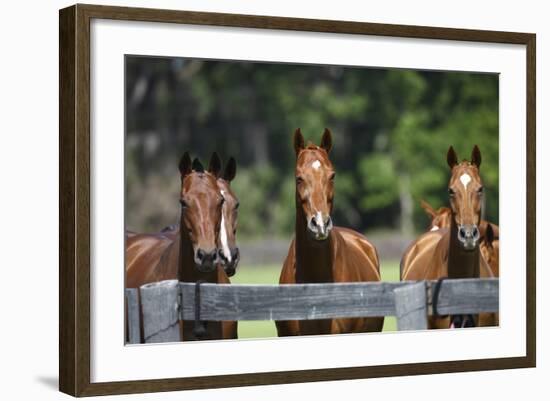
{"x": 249, "y": 200}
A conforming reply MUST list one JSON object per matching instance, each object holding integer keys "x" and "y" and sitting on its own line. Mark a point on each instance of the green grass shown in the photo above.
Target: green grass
{"x": 269, "y": 274}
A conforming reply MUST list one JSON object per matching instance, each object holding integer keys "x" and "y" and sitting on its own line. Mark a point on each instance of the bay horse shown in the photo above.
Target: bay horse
{"x": 227, "y": 244}
{"x": 454, "y": 252}
{"x": 489, "y": 233}
{"x": 321, "y": 252}
{"x": 191, "y": 253}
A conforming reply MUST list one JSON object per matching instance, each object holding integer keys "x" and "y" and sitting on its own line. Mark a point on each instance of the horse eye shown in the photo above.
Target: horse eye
{"x": 299, "y": 180}
{"x": 451, "y": 192}
{"x": 237, "y": 205}
{"x": 331, "y": 177}
{"x": 183, "y": 203}
{"x": 480, "y": 191}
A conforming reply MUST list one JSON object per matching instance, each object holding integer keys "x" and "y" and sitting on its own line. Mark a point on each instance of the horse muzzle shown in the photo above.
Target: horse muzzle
{"x": 319, "y": 228}
{"x": 206, "y": 262}
{"x": 468, "y": 236}
{"x": 230, "y": 264}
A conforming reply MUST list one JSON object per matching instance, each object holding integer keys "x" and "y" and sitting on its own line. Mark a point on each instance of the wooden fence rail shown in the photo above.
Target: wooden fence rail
{"x": 164, "y": 303}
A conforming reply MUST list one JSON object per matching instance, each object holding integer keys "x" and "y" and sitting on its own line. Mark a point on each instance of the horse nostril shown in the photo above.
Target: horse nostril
{"x": 312, "y": 226}
{"x": 212, "y": 256}
{"x": 235, "y": 253}
{"x": 476, "y": 233}
{"x": 200, "y": 254}
{"x": 462, "y": 233}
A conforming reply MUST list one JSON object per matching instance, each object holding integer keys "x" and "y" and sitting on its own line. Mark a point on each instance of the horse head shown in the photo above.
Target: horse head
{"x": 201, "y": 211}
{"x": 441, "y": 218}
{"x": 315, "y": 184}
{"x": 465, "y": 197}
{"x": 228, "y": 251}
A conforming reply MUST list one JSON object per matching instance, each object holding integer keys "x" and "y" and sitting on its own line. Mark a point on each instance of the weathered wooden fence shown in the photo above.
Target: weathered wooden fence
{"x": 159, "y": 306}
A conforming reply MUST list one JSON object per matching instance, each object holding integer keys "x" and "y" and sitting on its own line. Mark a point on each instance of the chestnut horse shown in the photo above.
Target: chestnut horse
{"x": 454, "y": 252}
{"x": 441, "y": 218}
{"x": 191, "y": 253}
{"x": 489, "y": 248}
{"x": 321, "y": 253}
{"x": 228, "y": 250}
{"x": 489, "y": 245}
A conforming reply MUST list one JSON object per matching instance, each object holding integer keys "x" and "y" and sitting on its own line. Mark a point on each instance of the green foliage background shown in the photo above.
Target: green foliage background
{"x": 391, "y": 131}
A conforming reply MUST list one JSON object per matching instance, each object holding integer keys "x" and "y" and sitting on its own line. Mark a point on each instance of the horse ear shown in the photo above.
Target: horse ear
{"x": 427, "y": 207}
{"x": 185, "y": 164}
{"x": 451, "y": 157}
{"x": 197, "y": 166}
{"x": 215, "y": 165}
{"x": 326, "y": 140}
{"x": 298, "y": 141}
{"x": 476, "y": 156}
{"x": 230, "y": 170}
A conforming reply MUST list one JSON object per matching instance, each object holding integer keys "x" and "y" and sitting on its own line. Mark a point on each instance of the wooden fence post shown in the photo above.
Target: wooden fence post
{"x": 133, "y": 320}
{"x": 411, "y": 307}
{"x": 160, "y": 311}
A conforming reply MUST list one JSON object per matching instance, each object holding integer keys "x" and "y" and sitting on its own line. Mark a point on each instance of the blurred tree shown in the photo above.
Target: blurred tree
{"x": 392, "y": 129}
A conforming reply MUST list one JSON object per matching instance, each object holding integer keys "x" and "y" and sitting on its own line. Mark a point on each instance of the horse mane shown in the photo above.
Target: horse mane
{"x": 312, "y": 146}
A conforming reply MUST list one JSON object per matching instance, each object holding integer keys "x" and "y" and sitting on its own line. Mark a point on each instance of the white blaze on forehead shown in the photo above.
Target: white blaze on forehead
{"x": 465, "y": 179}
{"x": 223, "y": 236}
{"x": 316, "y": 164}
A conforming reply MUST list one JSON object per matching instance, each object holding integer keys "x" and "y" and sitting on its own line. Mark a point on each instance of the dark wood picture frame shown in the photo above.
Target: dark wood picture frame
{"x": 74, "y": 199}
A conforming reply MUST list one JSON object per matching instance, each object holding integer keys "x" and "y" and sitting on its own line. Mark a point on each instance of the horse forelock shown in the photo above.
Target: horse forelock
{"x": 311, "y": 145}
{"x": 311, "y": 154}
{"x": 466, "y": 164}
{"x": 199, "y": 178}
{"x": 465, "y": 168}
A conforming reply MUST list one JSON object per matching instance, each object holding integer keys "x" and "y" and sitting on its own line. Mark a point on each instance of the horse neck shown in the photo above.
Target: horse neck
{"x": 460, "y": 263}
{"x": 314, "y": 261}
{"x": 185, "y": 260}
